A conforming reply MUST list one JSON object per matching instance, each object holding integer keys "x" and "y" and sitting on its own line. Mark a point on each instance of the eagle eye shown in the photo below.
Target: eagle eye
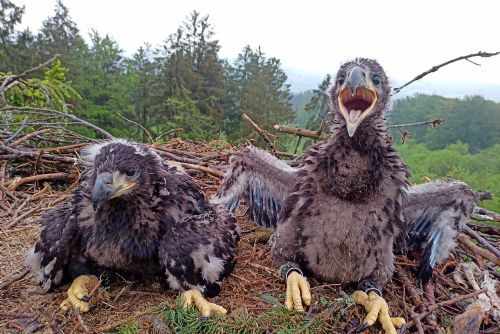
{"x": 341, "y": 80}
{"x": 376, "y": 79}
{"x": 131, "y": 171}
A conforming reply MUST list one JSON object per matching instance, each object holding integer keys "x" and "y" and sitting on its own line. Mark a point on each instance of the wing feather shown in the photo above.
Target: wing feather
{"x": 261, "y": 180}
{"x": 435, "y": 213}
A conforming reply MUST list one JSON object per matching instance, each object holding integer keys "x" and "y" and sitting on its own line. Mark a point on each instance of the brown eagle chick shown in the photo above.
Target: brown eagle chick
{"x": 338, "y": 215}
{"x": 139, "y": 216}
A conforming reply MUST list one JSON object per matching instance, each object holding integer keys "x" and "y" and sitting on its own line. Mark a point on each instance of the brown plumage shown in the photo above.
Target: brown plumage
{"x": 338, "y": 215}
{"x": 138, "y": 215}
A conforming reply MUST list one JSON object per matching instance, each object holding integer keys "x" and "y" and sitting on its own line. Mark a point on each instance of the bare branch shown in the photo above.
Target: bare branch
{"x": 37, "y": 154}
{"x": 452, "y": 301}
{"x": 67, "y": 115}
{"x": 261, "y": 132}
{"x": 482, "y": 240}
{"x": 301, "y": 132}
{"x": 11, "y": 78}
{"x": 18, "y": 132}
{"x": 437, "y": 67}
{"x": 433, "y": 124}
{"x": 151, "y": 141}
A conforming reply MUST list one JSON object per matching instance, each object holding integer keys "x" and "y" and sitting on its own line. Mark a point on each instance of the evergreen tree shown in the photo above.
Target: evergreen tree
{"x": 10, "y": 16}
{"x": 60, "y": 35}
{"x": 319, "y": 105}
{"x": 257, "y": 88}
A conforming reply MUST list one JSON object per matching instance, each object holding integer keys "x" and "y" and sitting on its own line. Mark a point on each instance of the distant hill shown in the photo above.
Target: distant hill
{"x": 301, "y": 81}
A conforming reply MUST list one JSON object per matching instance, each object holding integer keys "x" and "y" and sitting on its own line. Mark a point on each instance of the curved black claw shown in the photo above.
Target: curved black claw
{"x": 362, "y": 328}
{"x": 85, "y": 299}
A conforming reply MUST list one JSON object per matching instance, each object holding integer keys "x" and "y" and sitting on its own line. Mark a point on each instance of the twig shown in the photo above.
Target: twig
{"x": 36, "y": 155}
{"x": 53, "y": 176}
{"x": 301, "y": 132}
{"x": 29, "y": 136}
{"x": 437, "y": 67}
{"x": 67, "y": 115}
{"x": 18, "y": 132}
{"x": 9, "y": 79}
{"x": 467, "y": 242}
{"x": 261, "y": 132}
{"x": 80, "y": 320}
{"x": 452, "y": 301}
{"x": 482, "y": 240}
{"x": 15, "y": 277}
{"x": 168, "y": 132}
{"x": 433, "y": 123}
{"x": 151, "y": 141}
{"x": 208, "y": 170}
{"x": 15, "y": 221}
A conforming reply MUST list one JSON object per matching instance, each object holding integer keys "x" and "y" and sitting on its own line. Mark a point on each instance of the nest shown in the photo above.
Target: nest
{"x": 34, "y": 180}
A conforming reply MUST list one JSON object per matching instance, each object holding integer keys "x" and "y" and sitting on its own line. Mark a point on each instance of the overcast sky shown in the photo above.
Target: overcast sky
{"x": 407, "y": 37}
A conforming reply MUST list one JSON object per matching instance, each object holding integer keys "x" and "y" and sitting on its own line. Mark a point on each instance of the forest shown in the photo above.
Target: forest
{"x": 185, "y": 84}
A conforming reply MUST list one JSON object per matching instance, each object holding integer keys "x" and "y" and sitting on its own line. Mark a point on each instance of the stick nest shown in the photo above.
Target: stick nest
{"x": 33, "y": 181}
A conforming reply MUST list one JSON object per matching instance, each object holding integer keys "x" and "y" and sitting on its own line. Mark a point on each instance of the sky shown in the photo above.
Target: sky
{"x": 311, "y": 37}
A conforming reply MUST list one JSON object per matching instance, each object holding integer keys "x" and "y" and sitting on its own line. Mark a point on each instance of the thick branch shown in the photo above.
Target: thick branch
{"x": 482, "y": 240}
{"x": 37, "y": 155}
{"x": 467, "y": 242}
{"x": 437, "y": 67}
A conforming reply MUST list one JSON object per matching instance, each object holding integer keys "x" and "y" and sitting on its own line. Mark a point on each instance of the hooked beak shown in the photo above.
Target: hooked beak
{"x": 356, "y": 99}
{"x": 108, "y": 186}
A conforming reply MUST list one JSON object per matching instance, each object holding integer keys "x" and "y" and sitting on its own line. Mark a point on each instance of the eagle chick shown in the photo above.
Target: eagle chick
{"x": 139, "y": 216}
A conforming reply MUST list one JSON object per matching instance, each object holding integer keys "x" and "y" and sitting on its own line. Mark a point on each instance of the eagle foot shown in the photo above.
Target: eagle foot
{"x": 376, "y": 307}
{"x": 78, "y": 293}
{"x": 206, "y": 308}
{"x": 297, "y": 292}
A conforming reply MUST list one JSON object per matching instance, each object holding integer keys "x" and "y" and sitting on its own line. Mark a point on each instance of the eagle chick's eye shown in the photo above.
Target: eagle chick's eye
{"x": 131, "y": 171}
{"x": 376, "y": 79}
{"x": 341, "y": 80}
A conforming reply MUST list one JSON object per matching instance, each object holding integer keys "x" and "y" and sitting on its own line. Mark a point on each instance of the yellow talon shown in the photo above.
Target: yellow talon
{"x": 78, "y": 293}
{"x": 202, "y": 305}
{"x": 377, "y": 307}
{"x": 297, "y": 292}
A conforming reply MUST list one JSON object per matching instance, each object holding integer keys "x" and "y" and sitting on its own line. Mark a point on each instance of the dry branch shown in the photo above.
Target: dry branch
{"x": 53, "y": 176}
{"x": 452, "y": 301}
{"x": 14, "y": 278}
{"x": 62, "y": 114}
{"x": 467, "y": 242}
{"x": 18, "y": 132}
{"x": 482, "y": 240}
{"x": 261, "y": 132}
{"x": 211, "y": 171}
{"x": 437, "y": 67}
{"x": 8, "y": 80}
{"x": 38, "y": 154}
{"x": 301, "y": 132}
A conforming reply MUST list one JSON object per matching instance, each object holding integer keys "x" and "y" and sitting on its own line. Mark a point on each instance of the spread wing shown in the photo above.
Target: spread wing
{"x": 435, "y": 213}
{"x": 261, "y": 180}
